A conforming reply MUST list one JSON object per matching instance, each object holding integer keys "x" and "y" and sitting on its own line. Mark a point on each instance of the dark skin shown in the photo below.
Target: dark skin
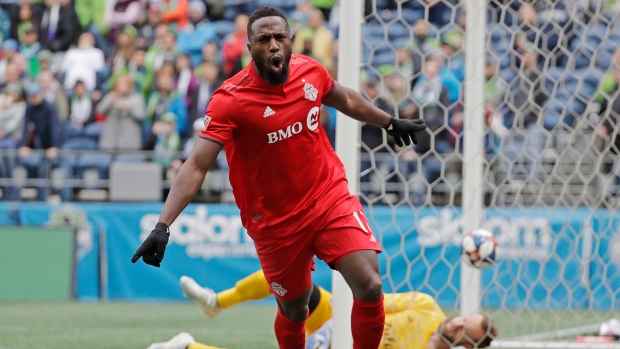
{"x": 270, "y": 46}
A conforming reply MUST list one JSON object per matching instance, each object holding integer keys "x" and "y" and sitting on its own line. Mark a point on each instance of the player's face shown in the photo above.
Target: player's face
{"x": 461, "y": 331}
{"x": 270, "y": 46}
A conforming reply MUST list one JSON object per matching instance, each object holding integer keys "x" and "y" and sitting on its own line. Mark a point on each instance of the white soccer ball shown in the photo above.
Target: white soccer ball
{"x": 478, "y": 248}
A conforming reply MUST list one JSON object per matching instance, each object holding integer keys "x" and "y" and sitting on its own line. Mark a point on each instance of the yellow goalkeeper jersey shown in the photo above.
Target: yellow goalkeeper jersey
{"x": 410, "y": 319}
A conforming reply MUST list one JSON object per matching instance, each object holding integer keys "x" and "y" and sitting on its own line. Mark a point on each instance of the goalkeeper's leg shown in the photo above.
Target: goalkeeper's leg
{"x": 252, "y": 287}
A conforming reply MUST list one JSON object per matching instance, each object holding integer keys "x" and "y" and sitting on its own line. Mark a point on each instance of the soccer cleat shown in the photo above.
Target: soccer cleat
{"x": 205, "y": 297}
{"x": 180, "y": 341}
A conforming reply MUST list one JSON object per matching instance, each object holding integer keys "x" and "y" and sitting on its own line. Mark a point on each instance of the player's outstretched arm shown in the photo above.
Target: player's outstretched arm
{"x": 357, "y": 107}
{"x": 190, "y": 178}
{"x": 186, "y": 185}
{"x": 353, "y": 104}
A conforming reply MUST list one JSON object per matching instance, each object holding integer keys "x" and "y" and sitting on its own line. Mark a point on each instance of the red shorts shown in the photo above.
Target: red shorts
{"x": 289, "y": 261}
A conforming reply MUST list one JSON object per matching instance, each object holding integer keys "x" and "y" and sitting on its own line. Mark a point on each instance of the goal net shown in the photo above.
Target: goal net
{"x": 549, "y": 178}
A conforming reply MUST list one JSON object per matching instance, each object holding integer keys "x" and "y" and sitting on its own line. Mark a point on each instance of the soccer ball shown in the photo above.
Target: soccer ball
{"x": 478, "y": 248}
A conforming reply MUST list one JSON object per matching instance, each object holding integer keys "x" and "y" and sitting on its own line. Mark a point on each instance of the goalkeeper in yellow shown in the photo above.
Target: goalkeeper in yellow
{"x": 413, "y": 320}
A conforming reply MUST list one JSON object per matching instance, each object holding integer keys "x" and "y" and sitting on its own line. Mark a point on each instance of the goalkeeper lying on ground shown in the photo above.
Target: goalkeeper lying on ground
{"x": 413, "y": 320}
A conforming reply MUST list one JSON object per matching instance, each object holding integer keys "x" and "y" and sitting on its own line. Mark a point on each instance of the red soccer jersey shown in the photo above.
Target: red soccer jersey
{"x": 283, "y": 170}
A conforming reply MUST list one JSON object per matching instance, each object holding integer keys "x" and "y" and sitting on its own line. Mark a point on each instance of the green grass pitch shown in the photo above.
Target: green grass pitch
{"x": 76, "y": 325}
{"x": 115, "y": 325}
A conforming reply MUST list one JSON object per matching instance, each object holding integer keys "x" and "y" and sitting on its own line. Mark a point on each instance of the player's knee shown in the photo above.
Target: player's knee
{"x": 371, "y": 291}
{"x": 296, "y": 314}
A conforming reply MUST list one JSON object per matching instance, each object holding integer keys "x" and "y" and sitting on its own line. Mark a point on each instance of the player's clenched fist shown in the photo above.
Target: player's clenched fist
{"x": 403, "y": 130}
{"x": 153, "y": 248}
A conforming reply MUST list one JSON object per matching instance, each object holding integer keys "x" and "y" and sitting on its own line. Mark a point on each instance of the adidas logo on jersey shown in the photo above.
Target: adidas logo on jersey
{"x": 268, "y": 112}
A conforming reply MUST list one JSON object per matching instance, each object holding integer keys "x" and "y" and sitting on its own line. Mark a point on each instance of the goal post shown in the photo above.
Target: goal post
{"x": 473, "y": 147}
{"x": 347, "y": 148}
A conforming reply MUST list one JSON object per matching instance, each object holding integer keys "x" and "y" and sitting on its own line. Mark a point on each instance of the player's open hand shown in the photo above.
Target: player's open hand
{"x": 153, "y": 248}
{"x": 404, "y": 131}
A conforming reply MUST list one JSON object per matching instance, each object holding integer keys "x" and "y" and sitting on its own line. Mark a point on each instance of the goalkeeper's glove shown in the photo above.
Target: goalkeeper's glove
{"x": 404, "y": 131}
{"x": 153, "y": 248}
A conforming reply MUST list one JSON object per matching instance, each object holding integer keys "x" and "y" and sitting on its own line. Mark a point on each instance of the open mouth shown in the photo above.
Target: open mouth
{"x": 276, "y": 63}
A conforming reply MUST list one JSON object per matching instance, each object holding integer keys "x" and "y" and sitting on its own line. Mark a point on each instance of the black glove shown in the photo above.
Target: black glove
{"x": 153, "y": 248}
{"x": 402, "y": 130}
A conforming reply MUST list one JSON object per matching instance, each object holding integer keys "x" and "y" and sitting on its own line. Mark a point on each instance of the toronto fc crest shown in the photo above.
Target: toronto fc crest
{"x": 310, "y": 92}
{"x": 279, "y": 290}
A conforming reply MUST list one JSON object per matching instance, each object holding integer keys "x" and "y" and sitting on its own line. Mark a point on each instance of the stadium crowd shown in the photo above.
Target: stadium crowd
{"x": 129, "y": 81}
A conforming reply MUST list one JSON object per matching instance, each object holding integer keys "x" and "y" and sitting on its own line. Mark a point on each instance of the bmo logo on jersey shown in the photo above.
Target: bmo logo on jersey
{"x": 312, "y": 123}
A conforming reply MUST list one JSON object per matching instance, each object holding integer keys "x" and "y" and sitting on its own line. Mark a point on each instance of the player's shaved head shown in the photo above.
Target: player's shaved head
{"x": 264, "y": 11}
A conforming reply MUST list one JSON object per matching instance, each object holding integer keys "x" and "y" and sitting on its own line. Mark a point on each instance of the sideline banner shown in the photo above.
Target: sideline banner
{"x": 558, "y": 258}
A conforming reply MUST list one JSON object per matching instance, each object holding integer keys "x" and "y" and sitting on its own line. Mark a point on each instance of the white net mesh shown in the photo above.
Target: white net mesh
{"x": 551, "y": 169}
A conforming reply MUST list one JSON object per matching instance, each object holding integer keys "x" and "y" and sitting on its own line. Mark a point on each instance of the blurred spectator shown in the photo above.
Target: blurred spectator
{"x": 439, "y": 12}
{"x": 175, "y": 164}
{"x": 59, "y": 28}
{"x": 299, "y": 18}
{"x": 315, "y": 40}
{"x": 91, "y": 15}
{"x": 124, "y": 111}
{"x": 405, "y": 66}
{"x": 608, "y": 99}
{"x": 29, "y": 47}
{"x": 208, "y": 82}
{"x": 524, "y": 114}
{"x": 430, "y": 94}
{"x": 374, "y": 152}
{"x": 12, "y": 75}
{"x": 26, "y": 20}
{"x": 82, "y": 111}
{"x": 42, "y": 131}
{"x": 142, "y": 77}
{"x": 5, "y": 26}
{"x": 12, "y": 109}
{"x": 526, "y": 97}
{"x": 123, "y": 51}
{"x": 554, "y": 27}
{"x": 163, "y": 49}
{"x": 186, "y": 82}
{"x": 175, "y": 12}
{"x": 146, "y": 30}
{"x": 451, "y": 48}
{"x": 197, "y": 33}
{"x": 55, "y": 94}
{"x": 45, "y": 58}
{"x": 163, "y": 99}
{"x": 495, "y": 86}
{"x": 154, "y": 57}
{"x": 421, "y": 45}
{"x": 325, "y": 6}
{"x": 210, "y": 53}
{"x": 82, "y": 63}
{"x": 9, "y": 16}
{"x": 9, "y": 51}
{"x": 234, "y": 45}
{"x": 168, "y": 141}
{"x": 120, "y": 13}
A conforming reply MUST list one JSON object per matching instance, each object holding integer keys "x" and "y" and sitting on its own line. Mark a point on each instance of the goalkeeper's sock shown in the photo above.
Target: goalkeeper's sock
{"x": 200, "y": 346}
{"x": 321, "y": 313}
{"x": 252, "y": 287}
{"x": 290, "y": 334}
{"x": 367, "y": 320}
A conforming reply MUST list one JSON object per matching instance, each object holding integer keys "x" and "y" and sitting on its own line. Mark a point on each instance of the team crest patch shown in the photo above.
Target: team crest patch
{"x": 310, "y": 92}
{"x": 279, "y": 290}
{"x": 206, "y": 122}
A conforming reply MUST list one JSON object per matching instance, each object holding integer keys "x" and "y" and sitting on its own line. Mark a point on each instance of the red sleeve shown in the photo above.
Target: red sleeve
{"x": 219, "y": 117}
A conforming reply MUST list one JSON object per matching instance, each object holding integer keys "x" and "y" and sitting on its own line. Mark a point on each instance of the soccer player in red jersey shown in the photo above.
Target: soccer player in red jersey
{"x": 288, "y": 182}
